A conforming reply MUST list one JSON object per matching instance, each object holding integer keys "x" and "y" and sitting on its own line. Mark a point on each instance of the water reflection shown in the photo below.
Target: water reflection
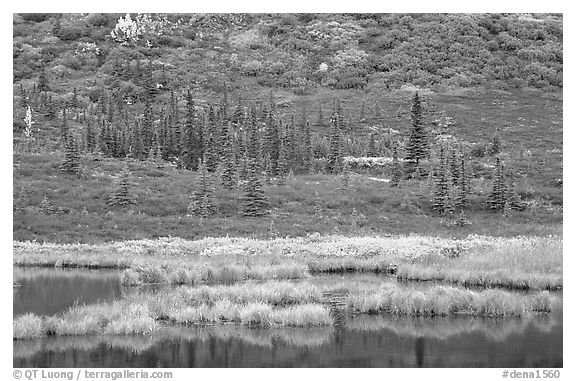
{"x": 364, "y": 341}
{"x": 46, "y": 291}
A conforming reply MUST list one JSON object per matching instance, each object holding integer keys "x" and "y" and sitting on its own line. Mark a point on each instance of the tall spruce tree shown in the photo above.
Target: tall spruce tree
{"x": 417, "y": 146}
{"x": 254, "y": 201}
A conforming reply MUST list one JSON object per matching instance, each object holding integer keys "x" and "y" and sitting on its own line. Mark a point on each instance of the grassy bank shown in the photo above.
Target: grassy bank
{"x": 273, "y": 304}
{"x": 497, "y": 330}
{"x": 522, "y": 262}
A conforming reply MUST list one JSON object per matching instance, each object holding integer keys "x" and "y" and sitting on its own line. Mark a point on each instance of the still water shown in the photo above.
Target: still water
{"x": 362, "y": 341}
{"x": 47, "y": 291}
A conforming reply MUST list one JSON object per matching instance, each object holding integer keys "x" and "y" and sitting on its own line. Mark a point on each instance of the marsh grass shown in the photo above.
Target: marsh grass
{"x": 446, "y": 301}
{"x": 27, "y": 326}
{"x": 517, "y": 263}
{"x": 275, "y": 304}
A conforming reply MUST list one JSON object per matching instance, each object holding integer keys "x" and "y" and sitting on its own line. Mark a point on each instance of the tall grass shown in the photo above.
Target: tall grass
{"x": 446, "y": 301}
{"x": 523, "y": 262}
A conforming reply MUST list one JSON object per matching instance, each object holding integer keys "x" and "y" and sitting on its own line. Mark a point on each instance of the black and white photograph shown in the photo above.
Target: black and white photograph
{"x": 286, "y": 190}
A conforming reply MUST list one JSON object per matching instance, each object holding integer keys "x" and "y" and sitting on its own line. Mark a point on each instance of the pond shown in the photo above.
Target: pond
{"x": 360, "y": 341}
{"x": 47, "y": 291}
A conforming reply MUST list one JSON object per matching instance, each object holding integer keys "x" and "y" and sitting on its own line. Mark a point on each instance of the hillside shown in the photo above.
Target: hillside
{"x": 490, "y": 85}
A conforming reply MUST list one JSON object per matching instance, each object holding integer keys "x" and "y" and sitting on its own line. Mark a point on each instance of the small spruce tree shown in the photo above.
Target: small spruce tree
{"x": 396, "y": 168}
{"x": 441, "y": 202}
{"x": 202, "y": 204}
{"x": 497, "y": 198}
{"x": 254, "y": 201}
{"x": 71, "y": 162}
{"x": 122, "y": 195}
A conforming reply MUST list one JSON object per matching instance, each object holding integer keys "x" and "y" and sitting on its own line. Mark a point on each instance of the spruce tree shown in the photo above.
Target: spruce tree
{"x": 202, "y": 203}
{"x": 441, "y": 202}
{"x": 495, "y": 145}
{"x": 193, "y": 148}
{"x": 512, "y": 198}
{"x": 344, "y": 178}
{"x": 64, "y": 128}
{"x": 396, "y": 168}
{"x": 254, "y": 201}
{"x": 271, "y": 139}
{"x": 306, "y": 147}
{"x": 497, "y": 198}
{"x": 463, "y": 185}
{"x": 371, "y": 149}
{"x": 228, "y": 175}
{"x": 454, "y": 167}
{"x": 320, "y": 121}
{"x": 417, "y": 146}
{"x": 122, "y": 195}
{"x": 282, "y": 170}
{"x": 43, "y": 84}
{"x": 90, "y": 137}
{"x": 71, "y": 162}
{"x": 211, "y": 154}
{"x": 335, "y": 152}
{"x": 147, "y": 128}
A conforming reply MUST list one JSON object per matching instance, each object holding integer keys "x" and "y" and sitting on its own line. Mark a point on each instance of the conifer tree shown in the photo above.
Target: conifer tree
{"x": 371, "y": 150}
{"x": 320, "y": 121}
{"x": 454, "y": 167}
{"x": 211, "y": 155}
{"x": 122, "y": 195}
{"x": 463, "y": 185}
{"x": 24, "y": 101}
{"x": 71, "y": 162}
{"x": 253, "y": 143}
{"x": 497, "y": 198}
{"x": 396, "y": 168}
{"x": 146, "y": 131}
{"x": 254, "y": 201}
{"x": 282, "y": 170}
{"x": 441, "y": 202}
{"x": 193, "y": 148}
{"x": 417, "y": 146}
{"x": 64, "y": 128}
{"x": 202, "y": 203}
{"x": 318, "y": 210}
{"x": 90, "y": 137}
{"x": 344, "y": 178}
{"x": 43, "y": 84}
{"x": 495, "y": 145}
{"x": 512, "y": 198}
{"x": 74, "y": 100}
{"x": 272, "y": 139}
{"x": 335, "y": 153}
{"x": 50, "y": 108}
{"x": 228, "y": 175}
